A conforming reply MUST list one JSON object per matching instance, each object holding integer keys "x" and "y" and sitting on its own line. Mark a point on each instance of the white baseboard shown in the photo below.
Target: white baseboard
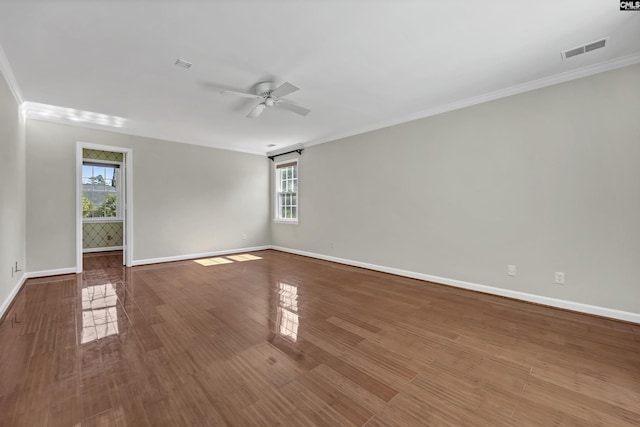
{"x": 538, "y": 299}
{"x": 105, "y": 249}
{"x": 56, "y": 272}
{"x": 6, "y": 303}
{"x": 199, "y": 255}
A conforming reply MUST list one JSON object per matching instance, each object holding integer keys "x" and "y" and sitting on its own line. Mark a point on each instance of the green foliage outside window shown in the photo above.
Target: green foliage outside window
{"x": 108, "y": 207}
{"x": 87, "y": 208}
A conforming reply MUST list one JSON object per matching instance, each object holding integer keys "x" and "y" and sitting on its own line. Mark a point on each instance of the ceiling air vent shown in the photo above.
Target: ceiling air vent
{"x": 595, "y": 45}
{"x": 183, "y": 64}
{"x": 583, "y": 49}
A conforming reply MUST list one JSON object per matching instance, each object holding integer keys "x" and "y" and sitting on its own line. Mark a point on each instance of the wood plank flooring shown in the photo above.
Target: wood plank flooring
{"x": 274, "y": 339}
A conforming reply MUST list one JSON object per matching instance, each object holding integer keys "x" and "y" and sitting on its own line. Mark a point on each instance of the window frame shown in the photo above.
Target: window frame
{"x": 277, "y": 192}
{"x": 119, "y": 195}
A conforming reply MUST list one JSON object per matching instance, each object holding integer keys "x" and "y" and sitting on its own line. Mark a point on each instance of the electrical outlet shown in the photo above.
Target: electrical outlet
{"x": 15, "y": 269}
{"x": 511, "y": 270}
{"x": 559, "y": 278}
{"x": 244, "y": 236}
{"x": 331, "y": 245}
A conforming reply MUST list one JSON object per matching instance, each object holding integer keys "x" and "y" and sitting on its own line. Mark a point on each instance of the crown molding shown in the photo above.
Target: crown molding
{"x": 566, "y": 76}
{"x": 5, "y": 70}
{"x": 148, "y": 135}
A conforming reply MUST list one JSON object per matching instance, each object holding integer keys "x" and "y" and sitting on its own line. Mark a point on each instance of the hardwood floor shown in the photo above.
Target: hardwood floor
{"x": 271, "y": 339}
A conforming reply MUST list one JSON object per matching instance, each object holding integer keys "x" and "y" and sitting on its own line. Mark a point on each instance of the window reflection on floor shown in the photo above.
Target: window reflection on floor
{"x": 288, "y": 311}
{"x": 99, "y": 313}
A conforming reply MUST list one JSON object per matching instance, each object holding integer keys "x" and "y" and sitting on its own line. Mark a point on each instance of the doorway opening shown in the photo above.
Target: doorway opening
{"x": 104, "y": 192}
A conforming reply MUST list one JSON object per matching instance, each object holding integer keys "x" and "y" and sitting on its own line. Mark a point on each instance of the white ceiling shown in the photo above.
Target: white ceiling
{"x": 360, "y": 64}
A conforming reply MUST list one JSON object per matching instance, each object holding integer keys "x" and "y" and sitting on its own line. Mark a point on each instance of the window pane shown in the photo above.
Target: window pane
{"x": 286, "y": 197}
{"x": 110, "y": 174}
{"x": 108, "y": 206}
{"x": 99, "y": 193}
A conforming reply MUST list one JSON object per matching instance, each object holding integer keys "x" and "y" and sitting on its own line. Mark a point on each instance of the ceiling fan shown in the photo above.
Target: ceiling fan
{"x": 271, "y": 96}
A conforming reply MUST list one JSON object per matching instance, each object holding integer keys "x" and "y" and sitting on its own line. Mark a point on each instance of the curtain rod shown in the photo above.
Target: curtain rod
{"x": 299, "y": 151}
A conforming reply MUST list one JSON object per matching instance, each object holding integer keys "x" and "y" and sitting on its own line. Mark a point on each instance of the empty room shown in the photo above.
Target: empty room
{"x": 319, "y": 213}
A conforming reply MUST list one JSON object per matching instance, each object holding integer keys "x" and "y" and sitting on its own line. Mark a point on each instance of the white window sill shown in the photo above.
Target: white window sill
{"x": 285, "y": 221}
{"x": 106, "y": 219}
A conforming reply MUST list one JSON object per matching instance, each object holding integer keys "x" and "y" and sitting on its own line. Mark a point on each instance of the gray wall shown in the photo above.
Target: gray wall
{"x": 187, "y": 199}
{"x": 12, "y": 192}
{"x": 547, "y": 180}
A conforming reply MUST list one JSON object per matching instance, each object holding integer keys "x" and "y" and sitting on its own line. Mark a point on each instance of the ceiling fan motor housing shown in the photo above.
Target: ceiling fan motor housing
{"x": 265, "y": 88}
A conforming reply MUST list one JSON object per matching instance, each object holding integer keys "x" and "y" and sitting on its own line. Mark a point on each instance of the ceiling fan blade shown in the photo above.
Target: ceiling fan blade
{"x": 284, "y": 89}
{"x": 242, "y": 94}
{"x": 257, "y": 110}
{"x": 293, "y": 107}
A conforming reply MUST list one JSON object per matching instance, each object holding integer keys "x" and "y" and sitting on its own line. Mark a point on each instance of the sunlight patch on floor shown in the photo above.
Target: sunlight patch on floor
{"x": 226, "y": 260}
{"x": 243, "y": 257}
{"x": 213, "y": 261}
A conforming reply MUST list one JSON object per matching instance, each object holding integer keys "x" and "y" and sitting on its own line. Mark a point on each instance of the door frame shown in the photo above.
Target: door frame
{"x": 128, "y": 199}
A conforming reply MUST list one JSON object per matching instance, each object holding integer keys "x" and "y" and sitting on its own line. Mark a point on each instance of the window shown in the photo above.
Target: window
{"x": 101, "y": 190}
{"x": 287, "y": 191}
